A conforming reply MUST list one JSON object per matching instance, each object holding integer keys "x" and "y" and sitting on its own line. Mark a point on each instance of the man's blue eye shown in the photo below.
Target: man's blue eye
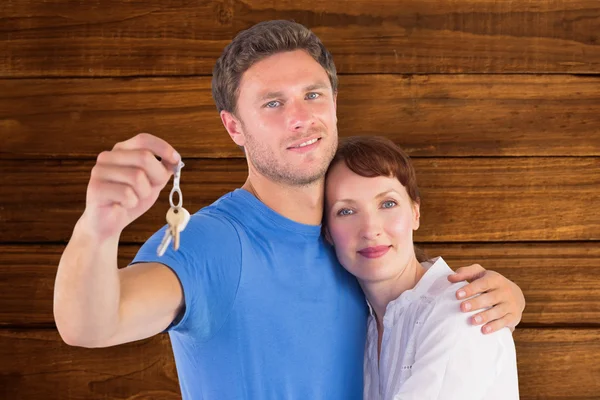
{"x": 272, "y": 104}
{"x": 388, "y": 204}
{"x": 312, "y": 95}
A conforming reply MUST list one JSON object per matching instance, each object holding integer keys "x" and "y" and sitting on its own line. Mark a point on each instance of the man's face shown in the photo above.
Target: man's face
{"x": 287, "y": 118}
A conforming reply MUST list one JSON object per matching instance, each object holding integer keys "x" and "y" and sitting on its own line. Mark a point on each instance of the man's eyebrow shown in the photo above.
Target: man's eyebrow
{"x": 317, "y": 85}
{"x": 314, "y": 86}
{"x": 270, "y": 95}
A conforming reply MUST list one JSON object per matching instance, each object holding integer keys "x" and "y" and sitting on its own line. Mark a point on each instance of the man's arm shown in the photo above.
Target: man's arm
{"x": 503, "y": 299}
{"x": 98, "y": 305}
{"x": 95, "y": 303}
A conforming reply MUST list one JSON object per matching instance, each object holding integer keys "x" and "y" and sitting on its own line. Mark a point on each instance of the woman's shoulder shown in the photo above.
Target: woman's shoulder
{"x": 445, "y": 316}
{"x": 443, "y": 306}
{"x": 435, "y": 288}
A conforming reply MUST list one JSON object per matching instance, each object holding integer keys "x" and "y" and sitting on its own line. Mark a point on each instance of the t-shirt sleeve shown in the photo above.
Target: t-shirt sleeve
{"x": 208, "y": 266}
{"x": 453, "y": 359}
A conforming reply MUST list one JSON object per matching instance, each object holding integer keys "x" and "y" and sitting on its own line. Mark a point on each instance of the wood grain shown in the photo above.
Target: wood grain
{"x": 470, "y": 199}
{"x": 498, "y": 103}
{"x": 554, "y": 364}
{"x": 111, "y": 38}
{"x": 435, "y": 115}
{"x": 558, "y": 363}
{"x": 559, "y": 280}
{"x": 42, "y": 366}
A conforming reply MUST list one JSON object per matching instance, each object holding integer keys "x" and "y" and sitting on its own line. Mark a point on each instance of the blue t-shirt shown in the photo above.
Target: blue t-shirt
{"x": 269, "y": 311}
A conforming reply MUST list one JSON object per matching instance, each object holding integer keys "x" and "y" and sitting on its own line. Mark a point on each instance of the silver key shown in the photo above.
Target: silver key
{"x": 178, "y": 218}
{"x": 165, "y": 242}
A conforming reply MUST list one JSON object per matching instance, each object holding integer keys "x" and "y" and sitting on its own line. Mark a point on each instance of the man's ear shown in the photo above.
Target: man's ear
{"x": 234, "y": 127}
{"x": 416, "y": 215}
{"x": 335, "y": 105}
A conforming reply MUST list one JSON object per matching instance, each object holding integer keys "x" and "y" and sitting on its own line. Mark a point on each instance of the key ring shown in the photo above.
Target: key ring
{"x": 176, "y": 189}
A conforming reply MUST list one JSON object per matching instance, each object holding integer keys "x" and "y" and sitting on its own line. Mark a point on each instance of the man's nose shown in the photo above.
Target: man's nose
{"x": 299, "y": 116}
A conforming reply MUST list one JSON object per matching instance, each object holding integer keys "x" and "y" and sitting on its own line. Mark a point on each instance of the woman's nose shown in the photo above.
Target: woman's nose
{"x": 371, "y": 227}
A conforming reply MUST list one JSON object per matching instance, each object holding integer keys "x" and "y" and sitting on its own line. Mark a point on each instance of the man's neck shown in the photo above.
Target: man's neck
{"x": 303, "y": 204}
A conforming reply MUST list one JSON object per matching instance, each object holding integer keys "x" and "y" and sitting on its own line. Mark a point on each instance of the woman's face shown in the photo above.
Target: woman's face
{"x": 370, "y": 222}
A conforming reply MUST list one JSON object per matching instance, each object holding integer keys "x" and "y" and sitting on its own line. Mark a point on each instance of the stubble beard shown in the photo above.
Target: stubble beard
{"x": 263, "y": 160}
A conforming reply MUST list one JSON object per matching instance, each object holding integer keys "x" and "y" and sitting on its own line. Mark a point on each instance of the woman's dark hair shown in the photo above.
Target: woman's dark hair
{"x": 372, "y": 156}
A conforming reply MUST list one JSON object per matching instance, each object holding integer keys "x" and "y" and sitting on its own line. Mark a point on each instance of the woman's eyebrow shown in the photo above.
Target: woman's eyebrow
{"x": 343, "y": 201}
{"x": 380, "y": 195}
{"x": 383, "y": 194}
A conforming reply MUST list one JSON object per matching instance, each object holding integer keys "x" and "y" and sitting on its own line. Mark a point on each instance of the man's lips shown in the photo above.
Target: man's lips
{"x": 304, "y": 142}
{"x": 374, "y": 252}
{"x": 306, "y": 145}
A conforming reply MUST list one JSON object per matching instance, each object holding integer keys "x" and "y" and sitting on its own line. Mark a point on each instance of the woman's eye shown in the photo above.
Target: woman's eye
{"x": 272, "y": 104}
{"x": 388, "y": 204}
{"x": 312, "y": 95}
{"x": 345, "y": 211}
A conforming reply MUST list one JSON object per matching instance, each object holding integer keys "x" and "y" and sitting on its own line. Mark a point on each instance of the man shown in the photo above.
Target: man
{"x": 254, "y": 301}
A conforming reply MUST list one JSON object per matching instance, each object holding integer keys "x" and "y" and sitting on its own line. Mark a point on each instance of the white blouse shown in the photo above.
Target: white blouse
{"x": 430, "y": 350}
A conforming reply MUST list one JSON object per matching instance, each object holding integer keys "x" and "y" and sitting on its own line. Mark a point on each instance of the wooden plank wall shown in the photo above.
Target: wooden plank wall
{"x": 498, "y": 102}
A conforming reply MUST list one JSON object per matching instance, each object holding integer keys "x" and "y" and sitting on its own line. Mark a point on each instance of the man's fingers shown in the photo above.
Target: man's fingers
{"x": 478, "y": 286}
{"x": 107, "y": 193}
{"x": 486, "y": 300}
{"x": 498, "y": 324}
{"x": 156, "y": 145}
{"x": 496, "y": 312}
{"x": 157, "y": 173}
{"x": 135, "y": 178}
{"x": 467, "y": 273}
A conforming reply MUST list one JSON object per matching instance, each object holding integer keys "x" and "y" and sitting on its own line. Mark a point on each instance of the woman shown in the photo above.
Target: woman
{"x": 419, "y": 344}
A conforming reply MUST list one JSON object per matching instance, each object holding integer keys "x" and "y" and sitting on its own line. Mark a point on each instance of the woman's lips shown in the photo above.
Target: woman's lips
{"x": 374, "y": 252}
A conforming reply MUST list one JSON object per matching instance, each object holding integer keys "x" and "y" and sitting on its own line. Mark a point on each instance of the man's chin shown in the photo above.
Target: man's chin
{"x": 306, "y": 178}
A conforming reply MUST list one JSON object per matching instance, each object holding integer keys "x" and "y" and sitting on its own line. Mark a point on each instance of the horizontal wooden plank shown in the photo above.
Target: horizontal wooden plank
{"x": 42, "y": 366}
{"x": 112, "y": 38}
{"x": 558, "y": 364}
{"x": 553, "y": 364}
{"x": 436, "y": 115}
{"x": 559, "y": 280}
{"x": 508, "y": 199}
{"x": 463, "y": 199}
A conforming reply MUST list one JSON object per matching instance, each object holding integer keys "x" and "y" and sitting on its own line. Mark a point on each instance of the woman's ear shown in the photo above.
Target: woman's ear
{"x": 234, "y": 127}
{"x": 416, "y": 215}
{"x": 328, "y": 236}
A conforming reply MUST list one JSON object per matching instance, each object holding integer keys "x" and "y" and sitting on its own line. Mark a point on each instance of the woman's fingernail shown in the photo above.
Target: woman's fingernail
{"x": 487, "y": 329}
{"x": 461, "y": 294}
{"x": 477, "y": 319}
{"x": 467, "y": 306}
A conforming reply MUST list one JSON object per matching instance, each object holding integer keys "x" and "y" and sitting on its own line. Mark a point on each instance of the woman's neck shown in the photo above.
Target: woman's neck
{"x": 380, "y": 294}
{"x": 302, "y": 204}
